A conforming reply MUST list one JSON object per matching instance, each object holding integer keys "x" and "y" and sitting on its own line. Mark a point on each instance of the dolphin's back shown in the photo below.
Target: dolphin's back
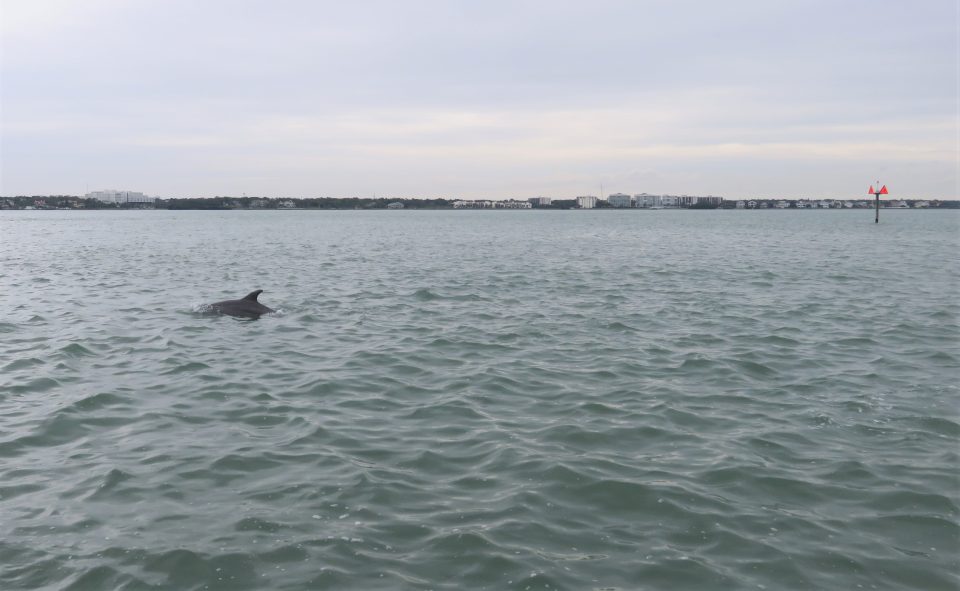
{"x": 246, "y": 307}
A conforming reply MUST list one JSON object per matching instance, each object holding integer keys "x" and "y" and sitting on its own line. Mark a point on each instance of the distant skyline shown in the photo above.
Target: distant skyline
{"x": 458, "y": 99}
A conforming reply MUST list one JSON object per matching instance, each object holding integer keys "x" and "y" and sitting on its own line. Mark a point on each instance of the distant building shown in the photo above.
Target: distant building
{"x": 512, "y": 204}
{"x": 586, "y": 202}
{"x": 710, "y": 199}
{"x": 539, "y": 201}
{"x": 461, "y": 204}
{"x": 119, "y": 197}
{"x": 646, "y": 201}
{"x": 509, "y": 204}
{"x": 395, "y": 205}
{"x": 619, "y": 200}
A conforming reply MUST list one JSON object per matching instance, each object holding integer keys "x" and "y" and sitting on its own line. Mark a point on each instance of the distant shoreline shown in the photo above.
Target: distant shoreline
{"x": 69, "y": 202}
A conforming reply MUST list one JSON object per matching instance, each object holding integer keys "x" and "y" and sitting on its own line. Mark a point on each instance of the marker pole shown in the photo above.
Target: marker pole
{"x": 876, "y": 196}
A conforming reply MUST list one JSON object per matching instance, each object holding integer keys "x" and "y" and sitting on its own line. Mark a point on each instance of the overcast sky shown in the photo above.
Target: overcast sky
{"x": 471, "y": 99}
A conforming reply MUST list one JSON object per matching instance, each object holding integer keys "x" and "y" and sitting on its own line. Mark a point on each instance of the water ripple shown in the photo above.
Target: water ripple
{"x": 561, "y": 400}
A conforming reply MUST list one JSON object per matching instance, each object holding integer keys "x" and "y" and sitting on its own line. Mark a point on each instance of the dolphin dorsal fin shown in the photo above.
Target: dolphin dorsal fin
{"x": 252, "y": 296}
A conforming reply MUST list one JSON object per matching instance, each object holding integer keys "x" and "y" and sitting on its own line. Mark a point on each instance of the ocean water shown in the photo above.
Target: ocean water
{"x": 529, "y": 400}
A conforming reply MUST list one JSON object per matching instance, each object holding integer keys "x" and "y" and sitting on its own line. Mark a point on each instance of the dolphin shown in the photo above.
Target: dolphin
{"x": 247, "y": 307}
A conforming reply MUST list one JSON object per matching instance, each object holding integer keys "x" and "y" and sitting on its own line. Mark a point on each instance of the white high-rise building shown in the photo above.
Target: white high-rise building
{"x": 646, "y": 201}
{"x": 114, "y": 196}
{"x": 586, "y": 202}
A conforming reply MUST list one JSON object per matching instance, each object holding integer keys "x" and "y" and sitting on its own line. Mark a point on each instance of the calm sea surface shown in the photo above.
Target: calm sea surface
{"x": 449, "y": 400}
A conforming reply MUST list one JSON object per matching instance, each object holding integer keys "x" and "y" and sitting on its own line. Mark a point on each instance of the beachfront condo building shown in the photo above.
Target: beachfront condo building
{"x": 647, "y": 201}
{"x": 113, "y": 196}
{"x": 586, "y": 202}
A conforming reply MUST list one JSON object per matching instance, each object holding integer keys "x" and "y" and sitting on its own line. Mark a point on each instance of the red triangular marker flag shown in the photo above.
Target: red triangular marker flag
{"x": 883, "y": 191}
{"x": 871, "y": 190}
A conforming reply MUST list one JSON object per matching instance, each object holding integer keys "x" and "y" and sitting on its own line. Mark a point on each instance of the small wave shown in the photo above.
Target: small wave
{"x": 188, "y": 367}
{"x": 571, "y": 557}
{"x": 856, "y": 342}
{"x": 904, "y": 500}
{"x": 447, "y": 412}
{"x": 76, "y": 350}
{"x": 95, "y": 402}
{"x": 619, "y": 496}
{"x": 782, "y": 341}
{"x": 256, "y": 524}
{"x": 940, "y": 426}
{"x": 103, "y": 577}
{"x": 35, "y": 385}
{"x": 697, "y": 363}
{"x": 58, "y": 430}
{"x": 941, "y": 357}
{"x": 841, "y": 278}
{"x": 188, "y": 570}
{"x": 22, "y": 364}
{"x": 754, "y": 369}
{"x": 334, "y": 578}
{"x": 244, "y": 464}
{"x": 286, "y": 553}
{"x": 10, "y": 492}
{"x": 600, "y": 408}
{"x": 111, "y": 481}
{"x": 425, "y": 295}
